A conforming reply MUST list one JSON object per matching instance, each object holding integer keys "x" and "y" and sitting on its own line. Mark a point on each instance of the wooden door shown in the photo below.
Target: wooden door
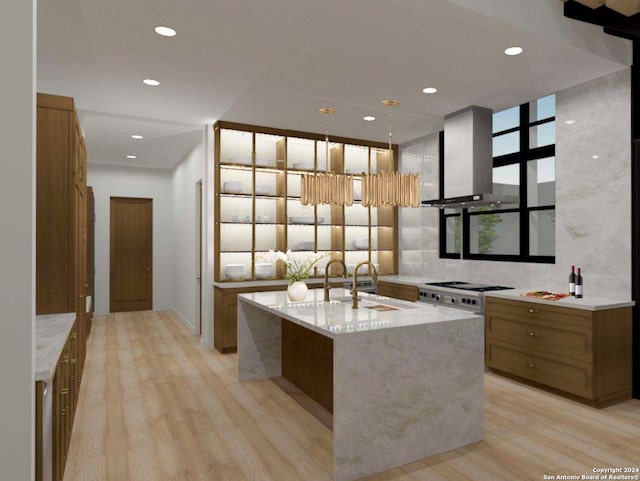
{"x": 131, "y": 254}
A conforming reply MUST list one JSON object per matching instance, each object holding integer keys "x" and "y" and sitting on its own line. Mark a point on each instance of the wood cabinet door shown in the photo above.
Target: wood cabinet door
{"x": 131, "y": 254}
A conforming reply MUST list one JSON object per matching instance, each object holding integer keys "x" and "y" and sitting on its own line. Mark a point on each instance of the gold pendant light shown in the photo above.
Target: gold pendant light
{"x": 390, "y": 188}
{"x": 328, "y": 187}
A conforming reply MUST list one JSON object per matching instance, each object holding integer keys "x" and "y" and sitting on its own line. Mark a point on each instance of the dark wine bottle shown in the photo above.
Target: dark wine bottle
{"x": 572, "y": 281}
{"x": 579, "y": 285}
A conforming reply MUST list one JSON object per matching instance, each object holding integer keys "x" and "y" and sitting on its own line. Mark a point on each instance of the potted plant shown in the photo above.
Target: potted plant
{"x": 297, "y": 271}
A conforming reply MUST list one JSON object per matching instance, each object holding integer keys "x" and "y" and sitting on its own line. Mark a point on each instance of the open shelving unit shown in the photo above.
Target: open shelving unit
{"x": 262, "y": 210}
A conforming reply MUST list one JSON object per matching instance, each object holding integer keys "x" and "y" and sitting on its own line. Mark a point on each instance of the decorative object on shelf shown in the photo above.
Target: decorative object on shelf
{"x": 232, "y": 187}
{"x": 263, "y": 190}
{"x": 234, "y": 271}
{"x": 390, "y": 189}
{"x": 297, "y": 270}
{"x": 328, "y": 187}
{"x": 361, "y": 244}
{"x": 264, "y": 270}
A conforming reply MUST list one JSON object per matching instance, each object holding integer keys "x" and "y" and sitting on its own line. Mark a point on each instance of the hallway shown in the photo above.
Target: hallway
{"x": 154, "y": 406}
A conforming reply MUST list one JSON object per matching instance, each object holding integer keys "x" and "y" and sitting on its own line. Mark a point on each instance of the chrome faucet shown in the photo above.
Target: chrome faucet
{"x": 327, "y": 285}
{"x": 354, "y": 287}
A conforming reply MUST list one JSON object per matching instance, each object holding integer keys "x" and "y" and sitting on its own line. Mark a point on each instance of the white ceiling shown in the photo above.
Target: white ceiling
{"x": 275, "y": 62}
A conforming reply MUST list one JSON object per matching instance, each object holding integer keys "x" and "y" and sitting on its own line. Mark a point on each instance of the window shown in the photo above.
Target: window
{"x": 524, "y": 140}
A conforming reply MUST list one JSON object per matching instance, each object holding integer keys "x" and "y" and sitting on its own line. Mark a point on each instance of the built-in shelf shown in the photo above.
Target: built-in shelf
{"x": 257, "y": 156}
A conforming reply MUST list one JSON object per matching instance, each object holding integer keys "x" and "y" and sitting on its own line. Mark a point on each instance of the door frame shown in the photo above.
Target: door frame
{"x": 112, "y": 245}
{"x": 199, "y": 257}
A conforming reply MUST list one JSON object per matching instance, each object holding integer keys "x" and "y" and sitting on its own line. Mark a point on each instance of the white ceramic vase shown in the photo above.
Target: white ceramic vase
{"x": 297, "y": 291}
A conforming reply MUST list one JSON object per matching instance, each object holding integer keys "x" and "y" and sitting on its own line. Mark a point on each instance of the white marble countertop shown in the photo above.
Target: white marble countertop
{"x": 284, "y": 282}
{"x": 407, "y": 280}
{"x": 52, "y": 331}
{"x": 335, "y": 317}
{"x": 588, "y": 303}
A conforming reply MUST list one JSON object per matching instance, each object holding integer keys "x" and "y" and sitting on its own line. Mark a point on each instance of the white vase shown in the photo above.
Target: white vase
{"x": 297, "y": 291}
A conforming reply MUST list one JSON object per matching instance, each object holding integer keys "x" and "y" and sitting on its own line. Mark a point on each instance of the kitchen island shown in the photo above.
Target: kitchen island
{"x": 407, "y": 379}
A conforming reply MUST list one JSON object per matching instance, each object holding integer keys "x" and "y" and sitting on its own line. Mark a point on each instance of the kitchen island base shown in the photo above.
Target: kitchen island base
{"x": 399, "y": 394}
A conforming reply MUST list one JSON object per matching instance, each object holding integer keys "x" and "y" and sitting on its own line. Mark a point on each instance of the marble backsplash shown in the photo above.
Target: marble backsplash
{"x": 593, "y": 200}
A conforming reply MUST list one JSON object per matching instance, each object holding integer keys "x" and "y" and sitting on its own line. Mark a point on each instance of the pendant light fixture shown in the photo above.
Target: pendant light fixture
{"x": 329, "y": 187}
{"x": 390, "y": 188}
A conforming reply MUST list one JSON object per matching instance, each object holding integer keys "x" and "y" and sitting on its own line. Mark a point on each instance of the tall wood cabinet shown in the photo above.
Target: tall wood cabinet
{"x": 91, "y": 229}
{"x": 61, "y": 250}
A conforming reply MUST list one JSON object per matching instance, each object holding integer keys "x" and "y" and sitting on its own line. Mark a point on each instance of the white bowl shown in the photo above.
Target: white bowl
{"x": 361, "y": 244}
{"x": 263, "y": 190}
{"x": 232, "y": 187}
{"x": 303, "y": 165}
{"x": 263, "y": 219}
{"x": 305, "y": 220}
{"x": 234, "y": 271}
{"x": 305, "y": 246}
{"x": 264, "y": 270}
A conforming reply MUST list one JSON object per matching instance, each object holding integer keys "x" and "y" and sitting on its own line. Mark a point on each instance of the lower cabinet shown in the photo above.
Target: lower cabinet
{"x": 398, "y": 291}
{"x": 585, "y": 355}
{"x": 55, "y": 410}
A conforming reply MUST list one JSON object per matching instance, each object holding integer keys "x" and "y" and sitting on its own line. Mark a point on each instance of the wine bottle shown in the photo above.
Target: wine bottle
{"x": 572, "y": 281}
{"x": 579, "y": 285}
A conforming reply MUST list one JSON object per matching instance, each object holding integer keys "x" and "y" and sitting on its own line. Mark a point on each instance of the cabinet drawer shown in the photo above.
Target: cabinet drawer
{"x": 573, "y": 379}
{"x": 398, "y": 291}
{"x": 539, "y": 314}
{"x": 558, "y": 342}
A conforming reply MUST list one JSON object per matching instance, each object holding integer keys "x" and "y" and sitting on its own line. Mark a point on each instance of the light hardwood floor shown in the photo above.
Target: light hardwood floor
{"x": 154, "y": 405}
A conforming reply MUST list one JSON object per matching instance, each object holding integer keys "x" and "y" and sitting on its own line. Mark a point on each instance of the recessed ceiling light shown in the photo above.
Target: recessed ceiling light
{"x": 137, "y": 137}
{"x": 151, "y": 82}
{"x": 369, "y": 118}
{"x": 132, "y": 157}
{"x": 513, "y": 51}
{"x": 595, "y": 156}
{"x": 429, "y": 90}
{"x": 570, "y": 122}
{"x": 165, "y": 31}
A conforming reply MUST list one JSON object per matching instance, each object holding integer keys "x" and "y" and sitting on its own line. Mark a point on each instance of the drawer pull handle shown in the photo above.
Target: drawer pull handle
{"x": 533, "y": 334}
{"x": 533, "y": 366}
{"x": 64, "y": 392}
{"x": 533, "y": 311}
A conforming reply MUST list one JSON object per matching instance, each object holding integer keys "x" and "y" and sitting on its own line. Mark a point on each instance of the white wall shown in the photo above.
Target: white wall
{"x": 593, "y": 201}
{"x": 108, "y": 181}
{"x": 17, "y": 217}
{"x": 185, "y": 225}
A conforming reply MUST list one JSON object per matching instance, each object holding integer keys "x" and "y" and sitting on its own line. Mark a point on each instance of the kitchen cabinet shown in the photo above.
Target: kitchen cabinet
{"x": 61, "y": 250}
{"x": 582, "y": 354}
{"x": 398, "y": 291}
{"x": 257, "y": 201}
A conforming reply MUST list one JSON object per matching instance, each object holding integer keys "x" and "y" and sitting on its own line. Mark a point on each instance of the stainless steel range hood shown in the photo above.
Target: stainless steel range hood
{"x": 468, "y": 161}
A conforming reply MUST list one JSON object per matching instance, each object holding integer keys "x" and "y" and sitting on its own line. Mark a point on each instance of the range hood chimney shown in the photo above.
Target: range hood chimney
{"x": 468, "y": 164}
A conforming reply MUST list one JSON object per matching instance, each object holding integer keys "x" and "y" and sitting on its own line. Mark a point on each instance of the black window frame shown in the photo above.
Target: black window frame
{"x": 522, "y": 157}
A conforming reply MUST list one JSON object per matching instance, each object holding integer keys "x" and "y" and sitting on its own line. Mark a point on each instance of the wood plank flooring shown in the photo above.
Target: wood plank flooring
{"x": 154, "y": 405}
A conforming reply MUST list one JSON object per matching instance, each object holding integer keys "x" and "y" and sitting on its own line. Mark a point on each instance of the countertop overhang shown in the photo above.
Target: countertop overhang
{"x": 52, "y": 332}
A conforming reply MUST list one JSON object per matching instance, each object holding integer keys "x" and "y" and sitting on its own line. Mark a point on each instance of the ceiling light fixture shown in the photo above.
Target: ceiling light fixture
{"x": 328, "y": 187}
{"x": 511, "y": 51}
{"x": 390, "y": 188}
{"x": 137, "y": 136}
{"x": 132, "y": 157}
{"x": 429, "y": 90}
{"x": 595, "y": 156}
{"x": 570, "y": 122}
{"x": 165, "y": 31}
{"x": 369, "y": 118}
{"x": 151, "y": 82}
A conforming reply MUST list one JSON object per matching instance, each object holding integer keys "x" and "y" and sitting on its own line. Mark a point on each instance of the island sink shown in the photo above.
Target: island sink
{"x": 404, "y": 381}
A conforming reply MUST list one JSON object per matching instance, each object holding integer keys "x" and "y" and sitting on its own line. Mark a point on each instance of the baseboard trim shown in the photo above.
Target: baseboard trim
{"x": 183, "y": 319}
{"x": 206, "y": 343}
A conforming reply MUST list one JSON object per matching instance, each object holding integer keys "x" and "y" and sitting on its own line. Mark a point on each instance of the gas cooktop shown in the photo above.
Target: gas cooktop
{"x": 468, "y": 286}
